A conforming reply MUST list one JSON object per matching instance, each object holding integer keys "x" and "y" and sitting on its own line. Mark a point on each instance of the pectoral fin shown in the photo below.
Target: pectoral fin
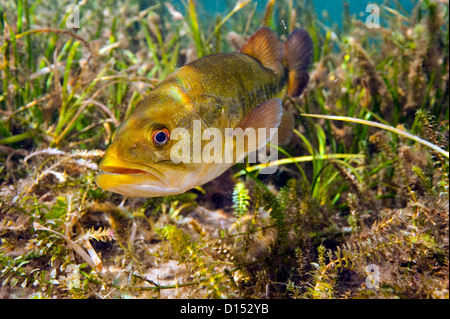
{"x": 267, "y": 114}
{"x": 261, "y": 119}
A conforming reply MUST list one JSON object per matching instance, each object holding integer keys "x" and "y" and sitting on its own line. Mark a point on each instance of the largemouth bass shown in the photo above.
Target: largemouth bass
{"x": 222, "y": 91}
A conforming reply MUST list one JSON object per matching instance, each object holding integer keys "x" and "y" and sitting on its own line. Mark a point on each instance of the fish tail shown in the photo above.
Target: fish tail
{"x": 298, "y": 50}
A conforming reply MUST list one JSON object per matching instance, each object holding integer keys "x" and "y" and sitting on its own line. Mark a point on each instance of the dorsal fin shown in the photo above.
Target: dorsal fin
{"x": 265, "y": 46}
{"x": 298, "y": 51}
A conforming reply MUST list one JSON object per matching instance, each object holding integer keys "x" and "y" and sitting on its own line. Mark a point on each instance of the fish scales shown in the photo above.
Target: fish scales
{"x": 227, "y": 81}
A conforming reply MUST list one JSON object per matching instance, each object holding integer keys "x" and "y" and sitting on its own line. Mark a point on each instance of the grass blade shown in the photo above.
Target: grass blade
{"x": 195, "y": 30}
{"x": 384, "y": 127}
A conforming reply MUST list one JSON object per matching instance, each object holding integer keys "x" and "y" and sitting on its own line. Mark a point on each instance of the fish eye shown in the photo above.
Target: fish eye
{"x": 160, "y": 137}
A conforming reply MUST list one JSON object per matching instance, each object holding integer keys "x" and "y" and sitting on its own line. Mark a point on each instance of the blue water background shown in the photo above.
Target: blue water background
{"x": 334, "y": 8}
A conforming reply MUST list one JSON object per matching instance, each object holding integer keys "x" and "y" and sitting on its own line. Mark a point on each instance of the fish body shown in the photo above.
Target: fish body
{"x": 226, "y": 90}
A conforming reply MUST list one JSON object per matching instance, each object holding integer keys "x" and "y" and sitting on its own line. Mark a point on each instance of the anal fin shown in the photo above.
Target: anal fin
{"x": 286, "y": 128}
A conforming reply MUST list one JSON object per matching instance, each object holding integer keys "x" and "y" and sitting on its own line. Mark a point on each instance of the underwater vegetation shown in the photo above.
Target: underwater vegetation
{"x": 355, "y": 210}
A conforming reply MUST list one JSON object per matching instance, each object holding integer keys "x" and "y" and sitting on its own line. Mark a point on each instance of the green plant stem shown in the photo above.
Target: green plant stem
{"x": 294, "y": 160}
{"x": 16, "y": 138}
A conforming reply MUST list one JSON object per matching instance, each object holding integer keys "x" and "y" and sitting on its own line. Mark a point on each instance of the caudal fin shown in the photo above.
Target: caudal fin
{"x": 298, "y": 52}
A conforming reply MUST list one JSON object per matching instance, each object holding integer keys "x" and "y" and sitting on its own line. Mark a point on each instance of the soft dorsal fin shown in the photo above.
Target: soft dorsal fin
{"x": 265, "y": 46}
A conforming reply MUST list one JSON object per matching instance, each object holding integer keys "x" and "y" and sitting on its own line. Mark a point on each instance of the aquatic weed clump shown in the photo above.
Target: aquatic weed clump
{"x": 353, "y": 211}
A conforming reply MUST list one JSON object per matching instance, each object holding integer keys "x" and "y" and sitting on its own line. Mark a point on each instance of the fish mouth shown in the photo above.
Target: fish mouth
{"x": 115, "y": 170}
{"x": 116, "y": 166}
{"x": 130, "y": 179}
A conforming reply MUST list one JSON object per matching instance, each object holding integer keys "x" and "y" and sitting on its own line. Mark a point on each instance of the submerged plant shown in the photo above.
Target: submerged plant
{"x": 240, "y": 200}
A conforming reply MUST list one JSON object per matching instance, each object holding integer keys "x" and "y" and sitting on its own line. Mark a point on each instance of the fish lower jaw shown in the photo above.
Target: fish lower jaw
{"x": 132, "y": 188}
{"x": 145, "y": 191}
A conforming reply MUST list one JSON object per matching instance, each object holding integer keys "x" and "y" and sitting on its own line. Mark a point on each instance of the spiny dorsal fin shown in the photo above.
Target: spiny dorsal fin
{"x": 298, "y": 51}
{"x": 265, "y": 46}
